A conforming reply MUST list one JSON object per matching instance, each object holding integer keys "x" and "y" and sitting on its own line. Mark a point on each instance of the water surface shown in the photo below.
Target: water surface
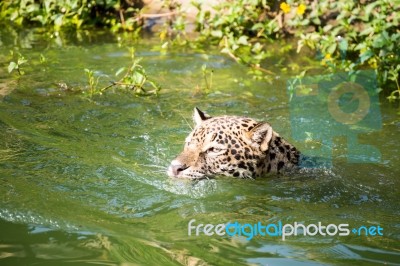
{"x": 83, "y": 180}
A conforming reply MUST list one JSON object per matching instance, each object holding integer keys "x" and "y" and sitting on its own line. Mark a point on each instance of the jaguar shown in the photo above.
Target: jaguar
{"x": 232, "y": 146}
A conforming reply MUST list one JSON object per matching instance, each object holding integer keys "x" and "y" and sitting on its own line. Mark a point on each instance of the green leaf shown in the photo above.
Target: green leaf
{"x": 32, "y": 8}
{"x": 332, "y": 48}
{"x": 225, "y": 50}
{"x": 119, "y": 71}
{"x": 216, "y": 33}
{"x": 366, "y": 55}
{"x": 257, "y": 26}
{"x": 14, "y": 15}
{"x": 58, "y": 20}
{"x": 360, "y": 46}
{"x": 242, "y": 40}
{"x": 138, "y": 78}
{"x": 391, "y": 98}
{"x": 370, "y": 7}
{"x": 378, "y": 42}
{"x": 165, "y": 45}
{"x": 42, "y": 58}
{"x": 154, "y": 85}
{"x": 343, "y": 45}
{"x": 316, "y": 21}
{"x": 367, "y": 31}
{"x": 12, "y": 66}
{"x": 257, "y": 47}
{"x": 21, "y": 61}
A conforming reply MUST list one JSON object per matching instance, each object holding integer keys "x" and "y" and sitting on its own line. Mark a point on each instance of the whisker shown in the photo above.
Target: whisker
{"x": 190, "y": 126}
{"x": 153, "y": 165}
{"x": 160, "y": 172}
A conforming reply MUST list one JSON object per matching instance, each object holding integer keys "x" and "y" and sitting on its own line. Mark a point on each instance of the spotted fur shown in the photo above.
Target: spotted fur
{"x": 232, "y": 146}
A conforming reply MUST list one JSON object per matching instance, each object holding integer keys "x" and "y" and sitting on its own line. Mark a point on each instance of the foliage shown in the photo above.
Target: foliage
{"x": 346, "y": 35}
{"x": 350, "y": 35}
{"x": 134, "y": 80}
{"x": 16, "y": 64}
{"x": 174, "y": 28}
{"x": 394, "y": 76}
{"x": 237, "y": 27}
{"x": 72, "y": 14}
{"x": 207, "y": 76}
{"x": 92, "y": 81}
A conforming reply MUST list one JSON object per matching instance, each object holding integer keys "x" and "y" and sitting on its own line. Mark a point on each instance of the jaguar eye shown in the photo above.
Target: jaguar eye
{"x": 213, "y": 149}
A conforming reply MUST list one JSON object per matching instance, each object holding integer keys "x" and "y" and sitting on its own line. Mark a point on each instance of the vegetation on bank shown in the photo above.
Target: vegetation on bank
{"x": 344, "y": 35}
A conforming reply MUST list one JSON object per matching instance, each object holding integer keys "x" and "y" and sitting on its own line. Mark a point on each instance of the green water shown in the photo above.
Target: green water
{"x": 84, "y": 181}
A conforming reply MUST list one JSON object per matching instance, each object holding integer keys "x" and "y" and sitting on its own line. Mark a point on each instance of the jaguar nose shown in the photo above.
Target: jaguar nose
{"x": 175, "y": 168}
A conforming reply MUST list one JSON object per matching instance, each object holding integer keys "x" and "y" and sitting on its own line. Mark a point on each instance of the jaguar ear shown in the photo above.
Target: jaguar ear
{"x": 199, "y": 116}
{"x": 261, "y": 136}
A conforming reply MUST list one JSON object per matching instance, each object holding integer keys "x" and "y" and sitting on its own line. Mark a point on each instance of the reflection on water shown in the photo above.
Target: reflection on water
{"x": 83, "y": 181}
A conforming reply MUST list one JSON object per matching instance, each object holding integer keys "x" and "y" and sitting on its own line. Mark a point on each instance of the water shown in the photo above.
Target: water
{"x": 83, "y": 181}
